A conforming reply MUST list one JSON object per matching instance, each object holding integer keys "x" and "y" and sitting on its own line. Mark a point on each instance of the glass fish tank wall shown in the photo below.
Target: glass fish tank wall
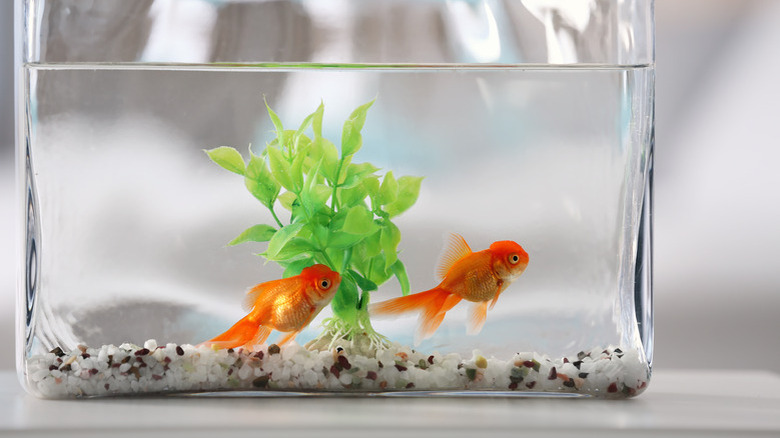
{"x": 285, "y": 197}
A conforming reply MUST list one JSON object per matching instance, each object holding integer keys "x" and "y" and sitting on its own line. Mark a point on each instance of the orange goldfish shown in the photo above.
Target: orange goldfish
{"x": 479, "y": 277}
{"x": 287, "y": 305}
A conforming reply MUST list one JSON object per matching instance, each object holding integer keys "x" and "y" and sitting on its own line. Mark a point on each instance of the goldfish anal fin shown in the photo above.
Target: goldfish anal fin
{"x": 432, "y": 304}
{"x": 288, "y": 337}
{"x": 246, "y": 332}
{"x": 433, "y": 315}
{"x": 261, "y": 335}
{"x": 477, "y": 317}
{"x": 455, "y": 249}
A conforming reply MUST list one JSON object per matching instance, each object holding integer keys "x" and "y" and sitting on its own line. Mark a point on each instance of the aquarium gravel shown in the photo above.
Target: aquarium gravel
{"x": 171, "y": 368}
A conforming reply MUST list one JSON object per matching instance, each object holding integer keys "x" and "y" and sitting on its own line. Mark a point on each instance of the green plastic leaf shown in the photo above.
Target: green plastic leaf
{"x": 352, "y": 196}
{"x": 257, "y": 233}
{"x": 296, "y": 171}
{"x": 337, "y": 221}
{"x": 336, "y": 256}
{"x": 280, "y": 168}
{"x": 389, "y": 239}
{"x": 340, "y": 239}
{"x": 399, "y": 270}
{"x": 378, "y": 274}
{"x": 301, "y": 144}
{"x": 325, "y": 151}
{"x": 276, "y": 122}
{"x": 228, "y": 158}
{"x": 280, "y": 239}
{"x": 260, "y": 182}
{"x": 295, "y": 267}
{"x": 345, "y": 302}
{"x": 408, "y": 191}
{"x": 356, "y": 173}
{"x": 373, "y": 246}
{"x": 315, "y": 199}
{"x": 287, "y": 199}
{"x": 313, "y": 196}
{"x": 371, "y": 184}
{"x": 295, "y": 249}
{"x": 316, "y": 121}
{"x": 351, "y": 140}
{"x": 359, "y": 221}
{"x": 362, "y": 282}
{"x": 358, "y": 116}
{"x": 306, "y": 123}
{"x": 388, "y": 191}
{"x": 320, "y": 233}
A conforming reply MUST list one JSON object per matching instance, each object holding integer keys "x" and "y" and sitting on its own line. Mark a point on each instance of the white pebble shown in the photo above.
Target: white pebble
{"x": 244, "y": 372}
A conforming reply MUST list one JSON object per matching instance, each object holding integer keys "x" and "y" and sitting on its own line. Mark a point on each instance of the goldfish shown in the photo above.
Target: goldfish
{"x": 478, "y": 277}
{"x": 287, "y": 305}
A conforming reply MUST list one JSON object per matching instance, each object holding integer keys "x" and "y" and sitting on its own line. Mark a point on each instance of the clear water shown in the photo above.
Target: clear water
{"x": 132, "y": 218}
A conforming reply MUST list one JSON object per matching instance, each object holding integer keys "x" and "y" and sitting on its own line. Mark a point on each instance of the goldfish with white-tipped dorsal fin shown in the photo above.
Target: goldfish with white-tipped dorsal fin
{"x": 287, "y": 305}
{"x": 479, "y": 277}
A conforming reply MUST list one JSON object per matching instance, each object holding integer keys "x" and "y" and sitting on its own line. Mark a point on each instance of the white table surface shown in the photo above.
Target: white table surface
{"x": 677, "y": 403}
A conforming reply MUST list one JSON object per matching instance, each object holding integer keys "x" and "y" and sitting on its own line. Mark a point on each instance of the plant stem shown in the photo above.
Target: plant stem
{"x": 327, "y": 259}
{"x": 336, "y": 185}
{"x": 347, "y": 256}
{"x": 276, "y": 218}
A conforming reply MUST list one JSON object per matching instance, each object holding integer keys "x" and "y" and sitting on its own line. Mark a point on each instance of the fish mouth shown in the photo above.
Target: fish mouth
{"x": 514, "y": 275}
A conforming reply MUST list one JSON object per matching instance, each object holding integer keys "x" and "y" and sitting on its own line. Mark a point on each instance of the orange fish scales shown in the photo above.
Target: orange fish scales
{"x": 472, "y": 278}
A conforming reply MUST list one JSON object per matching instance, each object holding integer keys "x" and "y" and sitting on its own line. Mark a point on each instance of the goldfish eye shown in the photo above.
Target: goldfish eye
{"x": 324, "y": 283}
{"x": 514, "y": 259}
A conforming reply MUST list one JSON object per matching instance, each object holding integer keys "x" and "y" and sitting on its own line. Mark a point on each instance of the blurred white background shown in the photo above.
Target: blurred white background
{"x": 717, "y": 194}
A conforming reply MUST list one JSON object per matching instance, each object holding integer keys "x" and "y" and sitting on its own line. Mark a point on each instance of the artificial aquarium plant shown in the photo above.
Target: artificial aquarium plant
{"x": 340, "y": 214}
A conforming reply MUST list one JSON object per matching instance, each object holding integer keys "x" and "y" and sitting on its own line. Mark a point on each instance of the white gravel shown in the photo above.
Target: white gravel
{"x": 155, "y": 369}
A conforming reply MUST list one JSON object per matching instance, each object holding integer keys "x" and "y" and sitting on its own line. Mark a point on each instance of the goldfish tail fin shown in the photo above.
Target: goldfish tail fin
{"x": 477, "y": 317}
{"x": 409, "y": 303}
{"x": 433, "y": 305}
{"x": 245, "y": 332}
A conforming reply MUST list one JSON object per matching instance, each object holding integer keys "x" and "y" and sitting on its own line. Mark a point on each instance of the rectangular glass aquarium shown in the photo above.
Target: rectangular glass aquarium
{"x": 351, "y": 197}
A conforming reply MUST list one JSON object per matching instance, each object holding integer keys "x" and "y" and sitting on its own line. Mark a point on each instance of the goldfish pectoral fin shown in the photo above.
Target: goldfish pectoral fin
{"x": 477, "y": 317}
{"x": 494, "y": 301}
{"x": 287, "y": 337}
{"x": 455, "y": 249}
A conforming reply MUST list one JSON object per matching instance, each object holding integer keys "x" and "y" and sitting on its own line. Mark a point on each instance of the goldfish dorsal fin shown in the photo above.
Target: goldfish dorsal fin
{"x": 455, "y": 249}
{"x": 265, "y": 292}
